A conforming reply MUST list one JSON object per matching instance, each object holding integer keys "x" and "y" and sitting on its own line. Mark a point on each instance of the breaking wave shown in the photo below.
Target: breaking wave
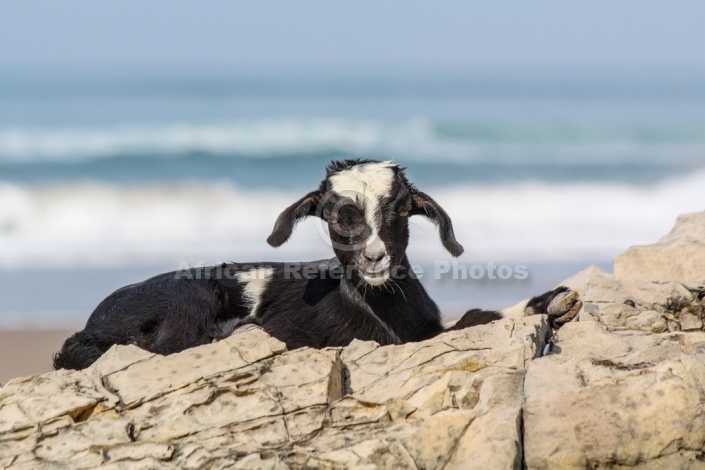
{"x": 104, "y": 224}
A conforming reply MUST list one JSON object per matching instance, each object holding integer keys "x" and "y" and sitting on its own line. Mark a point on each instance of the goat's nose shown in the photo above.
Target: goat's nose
{"x": 374, "y": 256}
{"x": 375, "y": 250}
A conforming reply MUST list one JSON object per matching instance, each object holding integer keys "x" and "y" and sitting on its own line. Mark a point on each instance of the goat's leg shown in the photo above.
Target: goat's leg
{"x": 560, "y": 304}
{"x": 475, "y": 317}
{"x": 227, "y": 328}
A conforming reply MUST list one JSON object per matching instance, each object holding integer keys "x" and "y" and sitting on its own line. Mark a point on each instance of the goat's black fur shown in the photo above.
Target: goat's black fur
{"x": 178, "y": 310}
{"x": 476, "y": 317}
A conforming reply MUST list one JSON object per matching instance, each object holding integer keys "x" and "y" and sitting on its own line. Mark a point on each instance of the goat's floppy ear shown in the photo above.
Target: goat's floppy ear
{"x": 285, "y": 222}
{"x": 422, "y": 204}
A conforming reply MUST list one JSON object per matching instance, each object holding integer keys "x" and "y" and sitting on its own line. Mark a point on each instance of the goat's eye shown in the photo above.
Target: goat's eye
{"x": 333, "y": 221}
{"x": 403, "y": 212}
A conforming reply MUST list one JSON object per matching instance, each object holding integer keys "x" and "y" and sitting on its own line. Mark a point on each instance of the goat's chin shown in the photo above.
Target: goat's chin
{"x": 376, "y": 279}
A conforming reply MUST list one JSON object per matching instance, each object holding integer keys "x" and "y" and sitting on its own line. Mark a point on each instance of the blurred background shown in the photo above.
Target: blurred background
{"x": 138, "y": 136}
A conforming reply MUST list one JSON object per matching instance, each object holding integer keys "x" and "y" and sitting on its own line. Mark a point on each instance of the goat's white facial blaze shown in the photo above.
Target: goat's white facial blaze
{"x": 253, "y": 283}
{"x": 372, "y": 179}
{"x": 369, "y": 183}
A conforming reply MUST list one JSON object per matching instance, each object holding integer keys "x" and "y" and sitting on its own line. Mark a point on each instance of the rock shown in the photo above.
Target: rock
{"x": 627, "y": 387}
{"x": 246, "y": 402}
{"x": 677, "y": 257}
{"x": 640, "y": 305}
{"x": 616, "y": 399}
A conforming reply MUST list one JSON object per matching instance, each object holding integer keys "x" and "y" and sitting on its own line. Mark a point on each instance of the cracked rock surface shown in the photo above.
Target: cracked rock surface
{"x": 617, "y": 399}
{"x": 626, "y": 384}
{"x": 246, "y": 402}
{"x": 622, "y": 387}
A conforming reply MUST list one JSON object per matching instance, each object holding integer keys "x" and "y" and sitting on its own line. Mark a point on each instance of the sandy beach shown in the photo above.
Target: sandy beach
{"x": 28, "y": 352}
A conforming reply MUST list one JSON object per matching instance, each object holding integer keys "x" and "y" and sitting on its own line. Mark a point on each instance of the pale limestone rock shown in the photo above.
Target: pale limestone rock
{"x": 63, "y": 393}
{"x": 246, "y": 402}
{"x": 677, "y": 257}
{"x": 120, "y": 358}
{"x": 434, "y": 392}
{"x": 611, "y": 399}
{"x": 640, "y": 305}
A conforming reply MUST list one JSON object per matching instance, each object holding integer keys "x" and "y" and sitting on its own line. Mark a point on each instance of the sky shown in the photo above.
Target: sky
{"x": 362, "y": 33}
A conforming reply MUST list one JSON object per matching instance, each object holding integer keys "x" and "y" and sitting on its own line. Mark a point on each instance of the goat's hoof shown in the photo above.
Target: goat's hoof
{"x": 561, "y": 305}
{"x": 564, "y": 307}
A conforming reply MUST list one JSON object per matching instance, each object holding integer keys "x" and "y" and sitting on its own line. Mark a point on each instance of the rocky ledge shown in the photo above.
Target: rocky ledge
{"x": 622, "y": 387}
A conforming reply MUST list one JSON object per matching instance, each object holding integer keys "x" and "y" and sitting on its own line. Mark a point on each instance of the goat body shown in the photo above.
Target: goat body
{"x": 302, "y": 304}
{"x": 368, "y": 291}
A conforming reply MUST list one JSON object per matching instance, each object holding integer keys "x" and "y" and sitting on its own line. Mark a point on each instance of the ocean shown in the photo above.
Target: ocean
{"x": 110, "y": 176}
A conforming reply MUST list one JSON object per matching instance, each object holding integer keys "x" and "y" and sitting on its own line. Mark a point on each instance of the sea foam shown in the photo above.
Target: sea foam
{"x": 104, "y": 224}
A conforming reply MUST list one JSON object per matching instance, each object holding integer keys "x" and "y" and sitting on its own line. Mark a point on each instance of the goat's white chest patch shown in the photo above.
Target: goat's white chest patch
{"x": 367, "y": 183}
{"x": 254, "y": 282}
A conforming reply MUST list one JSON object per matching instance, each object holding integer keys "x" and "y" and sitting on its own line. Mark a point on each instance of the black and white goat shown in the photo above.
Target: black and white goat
{"x": 368, "y": 291}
